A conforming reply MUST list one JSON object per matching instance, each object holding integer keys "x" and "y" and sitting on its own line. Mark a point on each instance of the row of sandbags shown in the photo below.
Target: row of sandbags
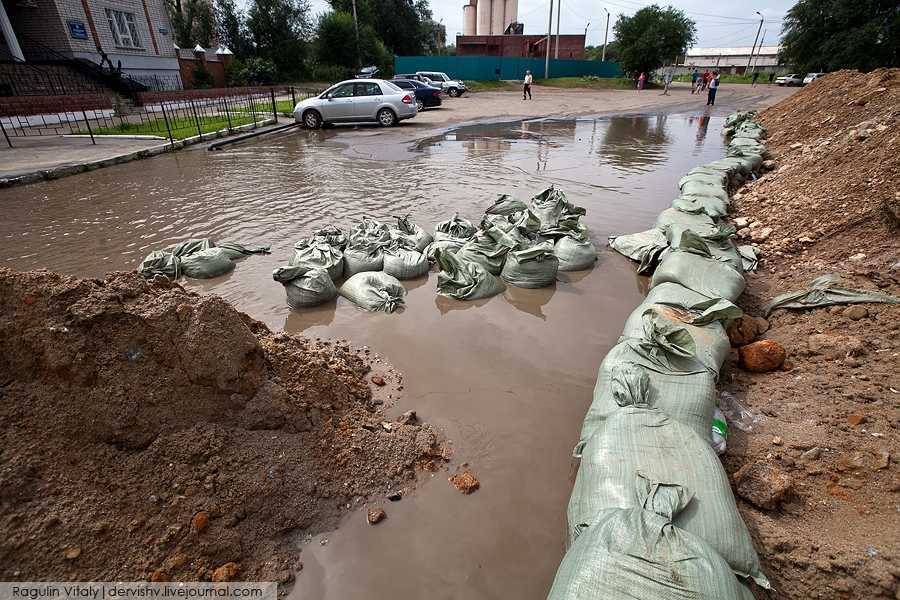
{"x": 515, "y": 243}
{"x": 652, "y": 514}
{"x": 196, "y": 258}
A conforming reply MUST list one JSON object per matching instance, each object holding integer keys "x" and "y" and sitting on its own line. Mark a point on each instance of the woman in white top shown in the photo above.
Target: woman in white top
{"x": 526, "y": 90}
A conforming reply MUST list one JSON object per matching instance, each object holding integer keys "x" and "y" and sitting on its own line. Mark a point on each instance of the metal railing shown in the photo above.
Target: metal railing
{"x": 18, "y": 78}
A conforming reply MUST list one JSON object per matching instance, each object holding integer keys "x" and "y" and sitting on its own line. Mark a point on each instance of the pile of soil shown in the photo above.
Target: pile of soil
{"x": 828, "y": 442}
{"x": 149, "y": 432}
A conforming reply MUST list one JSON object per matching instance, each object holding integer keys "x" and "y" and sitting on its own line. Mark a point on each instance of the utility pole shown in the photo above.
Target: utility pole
{"x": 761, "y": 19}
{"x": 558, "y": 8}
{"x": 356, "y": 26}
{"x": 585, "y": 31}
{"x": 605, "y": 36}
{"x": 758, "y": 50}
{"x": 549, "y": 41}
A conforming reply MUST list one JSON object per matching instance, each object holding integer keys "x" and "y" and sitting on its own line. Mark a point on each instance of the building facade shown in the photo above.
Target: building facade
{"x": 732, "y": 60}
{"x": 134, "y": 35}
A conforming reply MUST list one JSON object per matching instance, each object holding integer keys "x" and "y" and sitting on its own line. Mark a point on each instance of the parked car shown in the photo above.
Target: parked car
{"x": 357, "y": 101}
{"x": 453, "y": 87}
{"x": 810, "y": 77}
{"x": 367, "y": 73}
{"x": 416, "y": 77}
{"x": 789, "y": 80}
{"x": 427, "y": 96}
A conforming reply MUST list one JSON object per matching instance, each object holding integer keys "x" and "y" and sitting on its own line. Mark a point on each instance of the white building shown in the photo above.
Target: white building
{"x": 731, "y": 60}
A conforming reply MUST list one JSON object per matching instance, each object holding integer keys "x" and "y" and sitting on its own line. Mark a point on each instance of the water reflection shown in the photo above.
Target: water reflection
{"x": 635, "y": 143}
{"x": 529, "y": 301}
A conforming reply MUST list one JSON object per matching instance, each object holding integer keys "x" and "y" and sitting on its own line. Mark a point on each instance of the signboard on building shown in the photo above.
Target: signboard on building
{"x": 77, "y": 29}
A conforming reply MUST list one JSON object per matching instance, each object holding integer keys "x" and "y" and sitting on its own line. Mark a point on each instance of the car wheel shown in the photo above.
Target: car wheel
{"x": 420, "y": 106}
{"x": 312, "y": 119}
{"x": 453, "y": 92}
{"x": 386, "y": 117}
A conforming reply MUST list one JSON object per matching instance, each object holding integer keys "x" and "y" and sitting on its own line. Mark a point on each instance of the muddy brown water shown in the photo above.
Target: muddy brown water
{"x": 507, "y": 379}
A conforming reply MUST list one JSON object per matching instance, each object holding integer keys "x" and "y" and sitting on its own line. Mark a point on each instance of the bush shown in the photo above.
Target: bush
{"x": 202, "y": 77}
{"x": 235, "y": 73}
{"x": 330, "y": 73}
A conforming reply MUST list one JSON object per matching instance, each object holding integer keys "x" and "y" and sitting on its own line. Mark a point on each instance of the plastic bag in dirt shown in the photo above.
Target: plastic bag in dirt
{"x": 533, "y": 267}
{"x": 639, "y": 553}
{"x": 506, "y": 205}
{"x": 455, "y": 227}
{"x": 575, "y": 253}
{"x": 465, "y": 280}
{"x": 408, "y": 230}
{"x": 709, "y": 276}
{"x": 305, "y": 287}
{"x": 361, "y": 258}
{"x": 488, "y": 248}
{"x": 404, "y": 262}
{"x": 208, "y": 263}
{"x": 737, "y": 414}
{"x": 719, "y": 432}
{"x": 374, "y": 291}
{"x": 369, "y": 232}
{"x": 332, "y": 235}
{"x": 640, "y": 438}
{"x": 314, "y": 254}
{"x": 825, "y": 291}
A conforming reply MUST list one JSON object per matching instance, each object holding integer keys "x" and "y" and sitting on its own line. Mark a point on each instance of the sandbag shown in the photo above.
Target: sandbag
{"x": 551, "y": 206}
{"x": 575, "y": 253}
{"x": 643, "y": 247}
{"x": 506, "y": 205}
{"x": 404, "y": 262}
{"x": 533, "y": 267}
{"x": 706, "y": 275}
{"x": 160, "y": 262}
{"x": 640, "y": 438}
{"x": 314, "y": 254}
{"x": 464, "y": 280}
{"x": 332, "y": 235}
{"x": 455, "y": 227}
{"x": 735, "y": 119}
{"x": 749, "y": 146}
{"x": 208, "y": 263}
{"x": 448, "y": 244}
{"x": 235, "y": 250}
{"x": 488, "y": 248}
{"x": 369, "y": 232}
{"x": 696, "y": 187}
{"x": 638, "y": 553}
{"x": 714, "y": 178}
{"x": 190, "y": 246}
{"x": 358, "y": 259}
{"x": 715, "y": 241}
{"x": 305, "y": 287}
{"x": 706, "y": 204}
{"x": 409, "y": 230}
{"x": 825, "y": 291}
{"x": 673, "y": 216}
{"x": 374, "y": 291}
{"x": 748, "y": 159}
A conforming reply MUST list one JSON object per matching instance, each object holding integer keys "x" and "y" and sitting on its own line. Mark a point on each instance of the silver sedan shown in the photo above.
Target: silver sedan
{"x": 356, "y": 101}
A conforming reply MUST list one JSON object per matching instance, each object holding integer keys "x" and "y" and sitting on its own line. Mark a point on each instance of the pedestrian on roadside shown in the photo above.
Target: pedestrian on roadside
{"x": 695, "y": 76}
{"x": 641, "y": 80}
{"x": 704, "y": 80}
{"x": 526, "y": 89}
{"x": 755, "y": 77}
{"x": 667, "y": 81}
{"x": 771, "y": 77}
{"x": 713, "y": 88}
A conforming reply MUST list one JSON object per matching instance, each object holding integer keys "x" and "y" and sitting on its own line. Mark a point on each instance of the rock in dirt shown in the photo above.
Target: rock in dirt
{"x": 375, "y": 515}
{"x": 856, "y": 312}
{"x": 762, "y": 484}
{"x": 407, "y": 417}
{"x": 833, "y": 345}
{"x": 159, "y": 576}
{"x": 378, "y": 380}
{"x": 465, "y": 481}
{"x": 762, "y": 356}
{"x": 855, "y": 420}
{"x": 200, "y": 521}
{"x": 761, "y": 234}
{"x": 72, "y": 552}
{"x": 745, "y": 329}
{"x": 226, "y": 572}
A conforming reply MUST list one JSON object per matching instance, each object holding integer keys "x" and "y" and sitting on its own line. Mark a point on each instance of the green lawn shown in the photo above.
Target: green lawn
{"x": 487, "y": 86}
{"x": 284, "y": 107}
{"x": 592, "y": 83}
{"x": 182, "y": 127}
{"x": 729, "y": 78}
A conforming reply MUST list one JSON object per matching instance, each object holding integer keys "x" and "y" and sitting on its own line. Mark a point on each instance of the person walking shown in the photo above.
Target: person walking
{"x": 695, "y": 75}
{"x": 667, "y": 81}
{"x": 755, "y": 77}
{"x": 641, "y": 80}
{"x": 771, "y": 77}
{"x": 713, "y": 88}
{"x": 704, "y": 80}
{"x": 526, "y": 89}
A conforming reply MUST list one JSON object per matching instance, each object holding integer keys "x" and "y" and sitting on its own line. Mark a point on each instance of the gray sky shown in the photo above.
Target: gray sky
{"x": 721, "y": 23}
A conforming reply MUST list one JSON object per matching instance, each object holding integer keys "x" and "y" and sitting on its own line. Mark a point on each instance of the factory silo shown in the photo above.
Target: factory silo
{"x": 511, "y": 13}
{"x": 484, "y": 17}
{"x": 470, "y": 18}
{"x": 498, "y": 9}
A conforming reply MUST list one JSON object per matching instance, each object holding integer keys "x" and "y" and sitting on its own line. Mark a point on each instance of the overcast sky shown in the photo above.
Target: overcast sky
{"x": 721, "y": 23}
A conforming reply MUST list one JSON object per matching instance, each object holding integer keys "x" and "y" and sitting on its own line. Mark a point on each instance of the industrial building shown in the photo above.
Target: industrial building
{"x": 491, "y": 28}
{"x": 732, "y": 60}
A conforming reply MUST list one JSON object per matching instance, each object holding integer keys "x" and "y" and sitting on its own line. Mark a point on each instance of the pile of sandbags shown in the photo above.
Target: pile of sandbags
{"x": 652, "y": 514}
{"x": 196, "y": 258}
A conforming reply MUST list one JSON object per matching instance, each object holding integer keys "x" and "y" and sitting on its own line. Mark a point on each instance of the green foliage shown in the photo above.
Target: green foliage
{"x": 653, "y": 37}
{"x": 202, "y": 77}
{"x": 827, "y": 35}
{"x": 336, "y": 46}
{"x": 193, "y": 22}
{"x": 235, "y": 73}
{"x": 232, "y": 29}
{"x": 279, "y": 30}
{"x": 403, "y": 25}
{"x": 596, "y": 52}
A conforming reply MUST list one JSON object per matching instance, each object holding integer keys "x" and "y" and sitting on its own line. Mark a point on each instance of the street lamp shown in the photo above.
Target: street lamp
{"x": 749, "y": 60}
{"x": 605, "y": 36}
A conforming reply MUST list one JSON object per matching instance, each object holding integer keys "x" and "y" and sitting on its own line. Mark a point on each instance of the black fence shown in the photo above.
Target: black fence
{"x": 170, "y": 120}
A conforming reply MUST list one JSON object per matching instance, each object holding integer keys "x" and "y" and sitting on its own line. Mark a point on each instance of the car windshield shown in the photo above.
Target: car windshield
{"x": 390, "y": 86}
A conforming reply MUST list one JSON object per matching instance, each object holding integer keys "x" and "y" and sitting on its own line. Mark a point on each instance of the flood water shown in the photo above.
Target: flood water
{"x": 507, "y": 379}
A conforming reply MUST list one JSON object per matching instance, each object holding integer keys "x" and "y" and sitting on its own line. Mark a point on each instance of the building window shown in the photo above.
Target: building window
{"x": 123, "y": 28}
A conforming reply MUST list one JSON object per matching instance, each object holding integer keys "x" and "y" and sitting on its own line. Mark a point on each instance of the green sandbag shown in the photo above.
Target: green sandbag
{"x": 644, "y": 247}
{"x": 752, "y": 130}
{"x": 448, "y": 244}
{"x": 694, "y": 187}
{"x": 409, "y": 230}
{"x": 332, "y": 235}
{"x": 735, "y": 119}
{"x": 314, "y": 254}
{"x": 825, "y": 291}
{"x": 638, "y": 553}
{"x": 455, "y": 227}
{"x": 361, "y": 258}
{"x": 160, "y": 262}
{"x": 749, "y": 260}
{"x": 713, "y": 178}
{"x": 374, "y": 291}
{"x": 673, "y": 216}
{"x": 749, "y": 146}
{"x": 206, "y": 264}
{"x": 706, "y": 275}
{"x": 403, "y": 262}
{"x": 488, "y": 248}
{"x": 705, "y": 204}
{"x": 704, "y": 310}
{"x": 465, "y": 280}
{"x": 506, "y": 205}
{"x": 707, "y": 241}
{"x": 305, "y": 287}
{"x": 575, "y": 253}
{"x": 515, "y": 231}
{"x": 735, "y": 169}
{"x": 190, "y": 246}
{"x": 640, "y": 438}
{"x": 551, "y": 206}
{"x": 369, "y": 232}
{"x": 235, "y": 250}
{"x": 533, "y": 267}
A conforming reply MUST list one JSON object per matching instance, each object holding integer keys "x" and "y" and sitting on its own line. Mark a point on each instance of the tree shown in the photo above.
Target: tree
{"x": 827, "y": 35}
{"x": 279, "y": 30}
{"x": 596, "y": 52}
{"x": 193, "y": 22}
{"x": 336, "y": 43}
{"x": 400, "y": 24}
{"x": 232, "y": 28}
{"x": 652, "y": 37}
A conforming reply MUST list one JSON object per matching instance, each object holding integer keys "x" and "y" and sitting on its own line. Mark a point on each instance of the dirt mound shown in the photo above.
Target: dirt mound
{"x": 831, "y": 418}
{"x": 153, "y": 432}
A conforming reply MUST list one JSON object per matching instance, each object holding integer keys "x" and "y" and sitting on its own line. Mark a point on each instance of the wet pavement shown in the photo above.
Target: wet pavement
{"x": 508, "y": 379}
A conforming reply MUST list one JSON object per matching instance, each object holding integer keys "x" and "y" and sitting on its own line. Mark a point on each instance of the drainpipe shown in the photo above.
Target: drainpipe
{"x": 12, "y": 42}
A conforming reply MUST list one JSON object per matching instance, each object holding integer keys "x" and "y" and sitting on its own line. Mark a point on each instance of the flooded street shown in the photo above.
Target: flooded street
{"x": 507, "y": 379}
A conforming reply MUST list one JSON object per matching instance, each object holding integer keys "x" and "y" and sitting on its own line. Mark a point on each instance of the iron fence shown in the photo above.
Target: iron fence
{"x": 171, "y": 119}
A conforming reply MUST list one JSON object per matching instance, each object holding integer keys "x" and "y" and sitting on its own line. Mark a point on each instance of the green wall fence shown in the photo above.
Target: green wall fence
{"x": 487, "y": 68}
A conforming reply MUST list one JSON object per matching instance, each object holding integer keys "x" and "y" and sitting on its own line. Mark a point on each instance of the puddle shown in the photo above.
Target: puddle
{"x": 508, "y": 379}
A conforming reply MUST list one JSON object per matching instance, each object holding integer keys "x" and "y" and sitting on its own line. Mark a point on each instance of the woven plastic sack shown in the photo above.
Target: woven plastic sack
{"x": 643, "y": 247}
{"x": 673, "y": 216}
{"x": 506, "y": 205}
{"x": 749, "y": 146}
{"x": 705, "y": 275}
{"x": 533, "y": 267}
{"x": 714, "y": 178}
{"x": 465, "y": 280}
{"x": 640, "y": 438}
{"x": 235, "y": 250}
{"x": 751, "y": 129}
{"x": 749, "y": 160}
{"x": 408, "y": 230}
{"x": 305, "y": 287}
{"x": 160, "y": 262}
{"x": 455, "y": 227}
{"x": 715, "y": 241}
{"x": 701, "y": 203}
{"x": 448, "y": 244}
{"x": 374, "y": 291}
{"x": 575, "y": 253}
{"x": 697, "y": 187}
{"x": 735, "y": 119}
{"x": 488, "y": 248}
{"x": 332, "y": 235}
{"x": 638, "y": 553}
{"x": 314, "y": 254}
{"x": 825, "y": 291}
{"x": 404, "y": 263}
{"x": 369, "y": 232}
{"x": 208, "y": 263}
{"x": 358, "y": 259}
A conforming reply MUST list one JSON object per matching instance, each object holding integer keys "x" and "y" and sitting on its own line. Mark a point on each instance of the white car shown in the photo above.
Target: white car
{"x": 810, "y": 77}
{"x": 452, "y": 87}
{"x": 789, "y": 80}
{"x": 357, "y": 101}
